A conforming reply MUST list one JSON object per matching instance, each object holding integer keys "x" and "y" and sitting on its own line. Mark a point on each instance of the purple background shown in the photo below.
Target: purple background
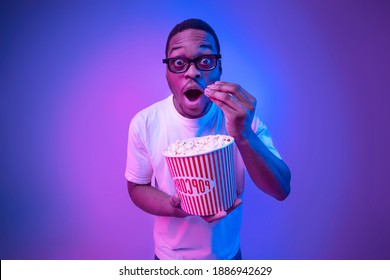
{"x": 73, "y": 74}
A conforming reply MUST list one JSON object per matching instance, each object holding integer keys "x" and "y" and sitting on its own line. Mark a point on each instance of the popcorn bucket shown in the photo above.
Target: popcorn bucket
{"x": 204, "y": 177}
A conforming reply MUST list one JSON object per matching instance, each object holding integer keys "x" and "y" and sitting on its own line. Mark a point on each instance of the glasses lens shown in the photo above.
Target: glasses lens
{"x": 178, "y": 64}
{"x": 206, "y": 62}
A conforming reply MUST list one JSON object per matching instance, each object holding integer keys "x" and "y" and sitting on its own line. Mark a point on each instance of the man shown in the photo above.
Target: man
{"x": 200, "y": 104}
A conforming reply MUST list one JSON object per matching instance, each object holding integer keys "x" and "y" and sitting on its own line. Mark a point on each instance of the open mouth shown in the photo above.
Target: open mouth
{"x": 193, "y": 94}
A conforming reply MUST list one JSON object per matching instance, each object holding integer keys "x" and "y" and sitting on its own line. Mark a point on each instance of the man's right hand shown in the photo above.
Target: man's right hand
{"x": 175, "y": 201}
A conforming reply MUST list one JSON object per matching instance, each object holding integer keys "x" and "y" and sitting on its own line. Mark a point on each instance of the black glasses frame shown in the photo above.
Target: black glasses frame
{"x": 189, "y": 61}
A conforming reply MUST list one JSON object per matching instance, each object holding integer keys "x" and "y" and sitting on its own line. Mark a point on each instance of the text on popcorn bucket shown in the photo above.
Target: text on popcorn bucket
{"x": 193, "y": 186}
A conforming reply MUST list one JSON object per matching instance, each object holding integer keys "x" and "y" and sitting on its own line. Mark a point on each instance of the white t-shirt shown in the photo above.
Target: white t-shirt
{"x": 150, "y": 131}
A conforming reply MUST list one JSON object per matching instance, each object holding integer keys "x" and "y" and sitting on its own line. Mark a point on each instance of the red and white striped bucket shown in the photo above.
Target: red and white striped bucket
{"x": 205, "y": 183}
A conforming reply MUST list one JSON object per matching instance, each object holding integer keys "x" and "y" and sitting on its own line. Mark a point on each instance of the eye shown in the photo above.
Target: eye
{"x": 179, "y": 62}
{"x": 205, "y": 61}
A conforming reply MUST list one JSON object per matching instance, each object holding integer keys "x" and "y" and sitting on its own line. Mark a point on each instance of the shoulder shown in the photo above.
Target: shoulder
{"x": 156, "y": 111}
{"x": 262, "y": 132}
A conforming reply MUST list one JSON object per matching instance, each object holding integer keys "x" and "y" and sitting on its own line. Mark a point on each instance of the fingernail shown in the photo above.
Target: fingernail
{"x": 208, "y": 91}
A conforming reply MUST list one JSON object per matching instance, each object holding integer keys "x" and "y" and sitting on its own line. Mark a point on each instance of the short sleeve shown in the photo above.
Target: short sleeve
{"x": 138, "y": 166}
{"x": 262, "y": 132}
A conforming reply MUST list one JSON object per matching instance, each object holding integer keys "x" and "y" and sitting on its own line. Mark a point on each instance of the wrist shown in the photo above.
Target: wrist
{"x": 244, "y": 138}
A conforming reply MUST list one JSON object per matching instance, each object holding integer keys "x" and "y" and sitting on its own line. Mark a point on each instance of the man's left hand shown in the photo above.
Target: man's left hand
{"x": 237, "y": 105}
{"x": 222, "y": 214}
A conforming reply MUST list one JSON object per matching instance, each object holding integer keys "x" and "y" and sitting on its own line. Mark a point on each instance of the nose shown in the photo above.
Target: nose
{"x": 192, "y": 72}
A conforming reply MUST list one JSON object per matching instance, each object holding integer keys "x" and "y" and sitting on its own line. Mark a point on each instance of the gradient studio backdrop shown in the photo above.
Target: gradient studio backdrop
{"x": 73, "y": 74}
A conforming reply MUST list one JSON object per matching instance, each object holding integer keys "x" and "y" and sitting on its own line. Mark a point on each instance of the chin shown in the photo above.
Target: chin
{"x": 200, "y": 111}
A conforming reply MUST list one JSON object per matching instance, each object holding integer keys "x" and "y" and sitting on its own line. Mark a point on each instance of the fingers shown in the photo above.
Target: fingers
{"x": 236, "y": 203}
{"x": 222, "y": 214}
{"x": 174, "y": 200}
{"x": 223, "y": 100}
{"x": 233, "y": 100}
{"x": 231, "y": 94}
{"x": 235, "y": 89}
{"x": 216, "y": 217}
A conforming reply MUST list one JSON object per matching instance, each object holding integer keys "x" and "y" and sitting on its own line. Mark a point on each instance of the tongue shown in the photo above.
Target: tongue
{"x": 193, "y": 94}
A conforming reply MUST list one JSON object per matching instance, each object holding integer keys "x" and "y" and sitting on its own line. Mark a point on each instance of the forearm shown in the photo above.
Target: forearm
{"x": 269, "y": 173}
{"x": 153, "y": 201}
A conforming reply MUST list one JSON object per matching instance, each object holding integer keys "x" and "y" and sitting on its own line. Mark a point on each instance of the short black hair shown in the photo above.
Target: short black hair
{"x": 192, "y": 23}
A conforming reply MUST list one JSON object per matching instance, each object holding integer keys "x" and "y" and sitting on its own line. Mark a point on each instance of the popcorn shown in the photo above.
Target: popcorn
{"x": 198, "y": 145}
{"x": 203, "y": 175}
